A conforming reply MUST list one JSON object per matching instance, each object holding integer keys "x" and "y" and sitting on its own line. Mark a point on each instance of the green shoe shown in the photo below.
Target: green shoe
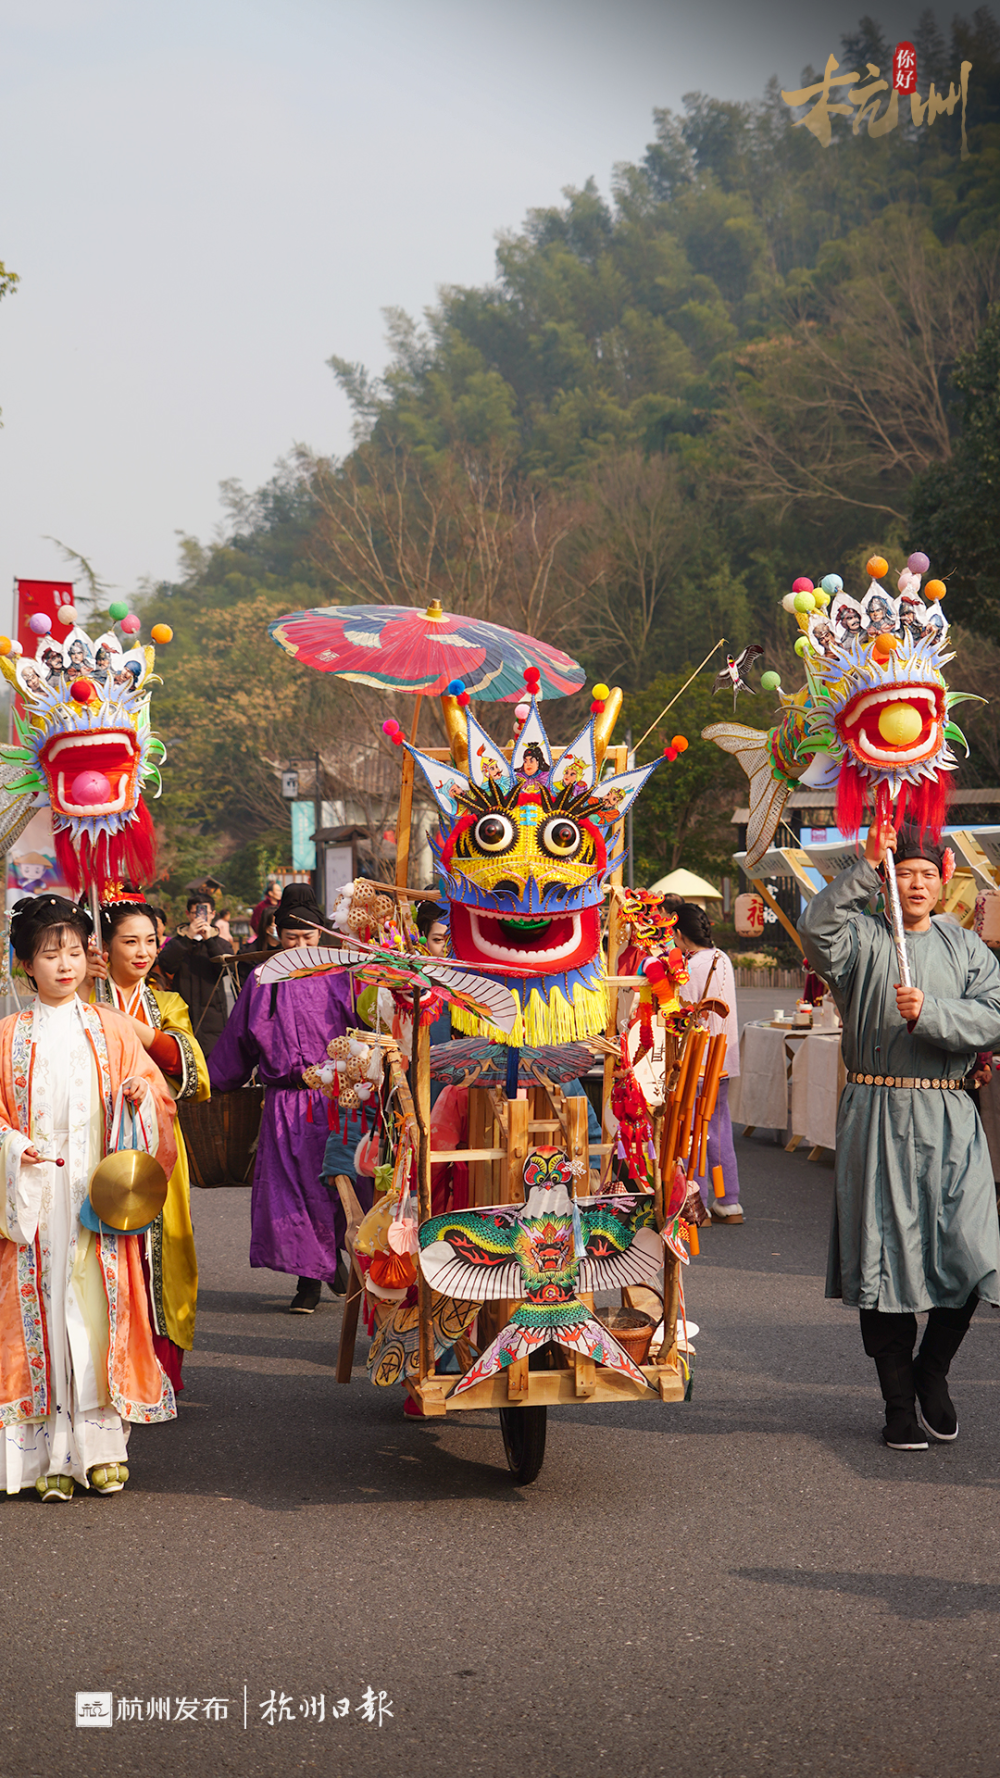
{"x": 54, "y": 1487}
{"x": 108, "y": 1478}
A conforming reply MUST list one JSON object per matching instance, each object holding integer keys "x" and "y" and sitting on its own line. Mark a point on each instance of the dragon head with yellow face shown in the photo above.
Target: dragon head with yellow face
{"x": 526, "y": 846}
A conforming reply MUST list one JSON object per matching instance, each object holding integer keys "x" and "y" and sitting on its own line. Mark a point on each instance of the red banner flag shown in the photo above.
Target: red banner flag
{"x": 39, "y": 598}
{"x": 904, "y": 68}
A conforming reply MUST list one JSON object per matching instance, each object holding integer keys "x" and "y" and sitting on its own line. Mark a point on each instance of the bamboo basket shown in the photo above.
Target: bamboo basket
{"x": 631, "y": 1328}
{"x": 220, "y": 1135}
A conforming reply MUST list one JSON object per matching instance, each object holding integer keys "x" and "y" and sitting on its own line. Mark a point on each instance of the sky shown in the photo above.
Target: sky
{"x": 205, "y": 199}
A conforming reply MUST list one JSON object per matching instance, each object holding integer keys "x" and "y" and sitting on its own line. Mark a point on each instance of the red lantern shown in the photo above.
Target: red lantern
{"x": 904, "y": 68}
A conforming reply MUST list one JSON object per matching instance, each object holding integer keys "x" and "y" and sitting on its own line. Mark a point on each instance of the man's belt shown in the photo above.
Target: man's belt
{"x": 898, "y": 1080}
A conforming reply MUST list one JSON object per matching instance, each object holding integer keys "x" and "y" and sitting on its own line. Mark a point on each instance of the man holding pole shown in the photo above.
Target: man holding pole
{"x": 915, "y": 1220}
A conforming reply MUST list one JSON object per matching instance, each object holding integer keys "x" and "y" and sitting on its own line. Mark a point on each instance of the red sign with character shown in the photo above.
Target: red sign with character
{"x": 904, "y": 68}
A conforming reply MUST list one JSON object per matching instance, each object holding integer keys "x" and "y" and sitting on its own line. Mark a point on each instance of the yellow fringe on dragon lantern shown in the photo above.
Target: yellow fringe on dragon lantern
{"x": 550, "y": 1018}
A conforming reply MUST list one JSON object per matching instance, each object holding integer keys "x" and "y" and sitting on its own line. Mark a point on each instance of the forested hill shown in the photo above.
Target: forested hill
{"x": 759, "y": 357}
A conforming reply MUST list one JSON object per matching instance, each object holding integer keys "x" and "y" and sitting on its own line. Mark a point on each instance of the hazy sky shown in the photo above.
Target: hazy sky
{"x": 206, "y": 198}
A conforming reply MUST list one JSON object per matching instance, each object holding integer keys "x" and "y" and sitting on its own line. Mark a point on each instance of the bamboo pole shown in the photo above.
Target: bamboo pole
{"x": 421, "y": 1082}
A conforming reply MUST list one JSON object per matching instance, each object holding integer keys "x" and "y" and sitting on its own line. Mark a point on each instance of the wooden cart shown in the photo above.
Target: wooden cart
{"x": 501, "y": 1133}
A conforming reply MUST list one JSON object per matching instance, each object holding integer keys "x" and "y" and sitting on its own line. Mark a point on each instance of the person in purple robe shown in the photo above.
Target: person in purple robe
{"x": 280, "y": 1028}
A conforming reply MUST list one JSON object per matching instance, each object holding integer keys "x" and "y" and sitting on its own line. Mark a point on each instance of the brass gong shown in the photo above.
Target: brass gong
{"x": 128, "y": 1189}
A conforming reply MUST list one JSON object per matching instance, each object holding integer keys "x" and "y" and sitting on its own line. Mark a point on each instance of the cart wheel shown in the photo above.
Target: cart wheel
{"x": 524, "y": 1441}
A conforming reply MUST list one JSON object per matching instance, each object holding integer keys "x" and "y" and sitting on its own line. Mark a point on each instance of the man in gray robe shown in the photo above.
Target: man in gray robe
{"x": 915, "y": 1219}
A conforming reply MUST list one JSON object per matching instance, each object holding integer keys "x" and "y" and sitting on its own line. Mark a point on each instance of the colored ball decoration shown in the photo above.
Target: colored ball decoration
{"x": 390, "y": 727}
{"x": 788, "y": 603}
{"x": 900, "y": 724}
{"x": 454, "y": 687}
{"x": 885, "y": 646}
{"x": 832, "y": 584}
{"x": 81, "y": 691}
{"x": 770, "y": 681}
{"x": 801, "y": 645}
{"x": 670, "y": 753}
{"x": 117, "y": 610}
{"x": 131, "y": 624}
{"x": 802, "y": 585}
{"x": 90, "y": 787}
{"x": 805, "y": 602}
{"x": 162, "y": 634}
{"x": 532, "y": 678}
{"x": 822, "y": 599}
{"x": 16, "y": 648}
{"x": 522, "y": 712}
{"x": 680, "y": 742}
{"x": 39, "y": 624}
{"x": 602, "y": 691}
{"x": 67, "y": 614}
{"x": 5, "y": 645}
{"x": 934, "y": 589}
{"x": 918, "y": 563}
{"x": 462, "y": 701}
{"x": 876, "y": 566}
{"x": 597, "y": 707}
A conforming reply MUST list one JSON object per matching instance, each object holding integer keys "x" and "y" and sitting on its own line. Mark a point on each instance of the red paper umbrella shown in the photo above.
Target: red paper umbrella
{"x": 401, "y": 648}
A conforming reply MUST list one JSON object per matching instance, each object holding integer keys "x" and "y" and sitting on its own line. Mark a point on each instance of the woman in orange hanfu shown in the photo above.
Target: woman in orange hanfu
{"x": 77, "y": 1363}
{"x": 162, "y": 1024}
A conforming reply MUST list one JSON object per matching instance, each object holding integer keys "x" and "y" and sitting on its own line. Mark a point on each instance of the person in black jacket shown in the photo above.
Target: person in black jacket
{"x": 193, "y": 964}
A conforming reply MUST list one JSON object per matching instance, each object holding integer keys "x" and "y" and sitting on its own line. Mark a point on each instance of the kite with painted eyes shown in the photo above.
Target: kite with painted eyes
{"x": 525, "y": 847}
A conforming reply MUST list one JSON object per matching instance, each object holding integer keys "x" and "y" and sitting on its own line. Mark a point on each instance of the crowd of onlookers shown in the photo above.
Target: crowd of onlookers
{"x": 203, "y": 962}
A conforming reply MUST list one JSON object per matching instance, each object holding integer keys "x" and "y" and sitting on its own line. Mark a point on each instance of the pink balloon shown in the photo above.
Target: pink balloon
{"x": 918, "y": 562}
{"x": 802, "y": 585}
{"x": 88, "y": 788}
{"x": 131, "y": 624}
{"x": 39, "y": 624}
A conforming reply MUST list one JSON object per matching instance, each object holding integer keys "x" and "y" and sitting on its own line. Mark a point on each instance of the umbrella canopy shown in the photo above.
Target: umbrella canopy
{"x": 474, "y": 1061}
{"x": 404, "y": 648}
{"x": 684, "y": 882}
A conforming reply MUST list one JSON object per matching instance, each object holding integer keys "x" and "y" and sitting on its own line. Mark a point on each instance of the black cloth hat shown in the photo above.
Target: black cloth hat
{"x": 911, "y": 843}
{"x": 298, "y": 908}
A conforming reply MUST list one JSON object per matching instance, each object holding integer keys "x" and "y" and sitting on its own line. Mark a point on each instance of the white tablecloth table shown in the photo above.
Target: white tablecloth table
{"x": 782, "y": 1064}
{"x": 759, "y": 1096}
{"x": 818, "y": 1077}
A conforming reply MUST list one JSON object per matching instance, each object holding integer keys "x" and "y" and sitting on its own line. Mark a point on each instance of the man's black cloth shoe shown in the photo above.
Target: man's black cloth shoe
{"x": 902, "y": 1431}
{"x": 305, "y": 1301}
{"x": 339, "y": 1285}
{"x": 937, "y": 1410}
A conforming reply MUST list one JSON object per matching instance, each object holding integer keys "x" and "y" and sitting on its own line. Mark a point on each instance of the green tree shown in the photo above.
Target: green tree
{"x": 684, "y": 814}
{"x": 955, "y": 510}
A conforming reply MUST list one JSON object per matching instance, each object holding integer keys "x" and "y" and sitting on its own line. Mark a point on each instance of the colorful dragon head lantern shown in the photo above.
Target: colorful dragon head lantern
{"x": 873, "y": 718}
{"x": 84, "y": 748}
{"x": 525, "y": 847}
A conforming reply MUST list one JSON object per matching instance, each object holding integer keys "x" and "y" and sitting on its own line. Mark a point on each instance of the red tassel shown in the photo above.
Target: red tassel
{"x": 129, "y": 856}
{"x": 850, "y": 800}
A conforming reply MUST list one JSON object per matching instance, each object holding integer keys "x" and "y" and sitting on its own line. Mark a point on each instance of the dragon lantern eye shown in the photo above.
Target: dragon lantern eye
{"x": 493, "y": 833}
{"x": 561, "y": 838}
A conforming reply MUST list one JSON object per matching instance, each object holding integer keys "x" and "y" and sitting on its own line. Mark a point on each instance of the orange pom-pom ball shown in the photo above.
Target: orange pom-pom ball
{"x": 5, "y": 645}
{"x": 162, "y": 633}
{"x": 934, "y": 589}
{"x": 680, "y": 742}
{"x": 876, "y": 566}
{"x": 886, "y": 645}
{"x": 81, "y": 690}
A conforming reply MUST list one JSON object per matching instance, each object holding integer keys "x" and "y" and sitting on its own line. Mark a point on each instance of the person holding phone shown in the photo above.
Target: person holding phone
{"x": 193, "y": 964}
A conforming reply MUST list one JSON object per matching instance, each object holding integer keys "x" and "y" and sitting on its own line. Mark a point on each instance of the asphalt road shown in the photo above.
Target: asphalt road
{"x": 746, "y": 1586}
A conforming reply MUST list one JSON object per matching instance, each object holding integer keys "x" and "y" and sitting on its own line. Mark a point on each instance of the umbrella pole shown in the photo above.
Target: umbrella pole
{"x": 513, "y": 1064}
{"x": 102, "y": 992}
